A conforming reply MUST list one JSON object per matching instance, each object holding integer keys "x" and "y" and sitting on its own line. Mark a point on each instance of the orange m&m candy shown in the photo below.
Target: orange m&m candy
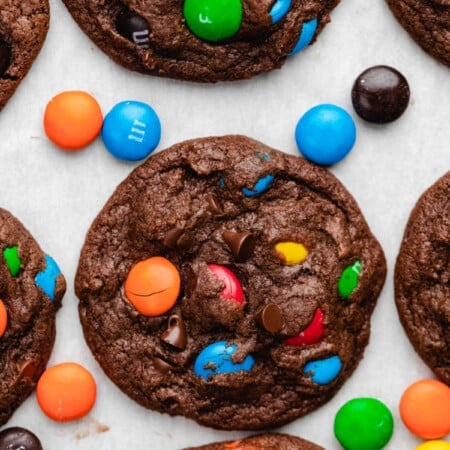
{"x": 72, "y": 119}
{"x": 66, "y": 392}
{"x": 3, "y": 318}
{"x": 425, "y": 409}
{"x": 153, "y": 286}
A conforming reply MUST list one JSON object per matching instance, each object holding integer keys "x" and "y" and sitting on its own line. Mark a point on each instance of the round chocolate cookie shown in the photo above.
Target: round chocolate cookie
{"x": 428, "y": 23}
{"x": 23, "y": 27}
{"x": 273, "y": 441}
{"x": 422, "y": 278}
{"x": 201, "y": 40}
{"x": 230, "y": 283}
{"x": 31, "y": 289}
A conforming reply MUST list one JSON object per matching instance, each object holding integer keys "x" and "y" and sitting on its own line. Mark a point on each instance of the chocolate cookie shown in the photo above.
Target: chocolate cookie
{"x": 422, "y": 278}
{"x": 263, "y": 442}
{"x": 229, "y": 282}
{"x": 428, "y": 23}
{"x": 23, "y": 27}
{"x": 201, "y": 40}
{"x": 31, "y": 289}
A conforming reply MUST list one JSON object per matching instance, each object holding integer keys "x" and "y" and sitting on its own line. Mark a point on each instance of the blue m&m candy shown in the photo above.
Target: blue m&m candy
{"x": 325, "y": 134}
{"x": 216, "y": 359}
{"x": 131, "y": 130}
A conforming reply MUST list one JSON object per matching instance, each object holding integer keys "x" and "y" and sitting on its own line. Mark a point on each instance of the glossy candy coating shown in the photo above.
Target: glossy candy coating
{"x": 153, "y": 285}
{"x": 291, "y": 253}
{"x": 72, "y": 119}
{"x": 279, "y": 9}
{"x": 17, "y": 438}
{"x": 363, "y": 423}
{"x": 215, "y": 359}
{"x": 323, "y": 371}
{"x": 325, "y": 134}
{"x": 425, "y": 409}
{"x": 133, "y": 27}
{"x": 312, "y": 334}
{"x": 12, "y": 259}
{"x": 46, "y": 279}
{"x": 3, "y": 318}
{"x": 66, "y": 392}
{"x": 213, "y": 20}
{"x": 380, "y": 94}
{"x": 434, "y": 445}
{"x": 233, "y": 289}
{"x": 349, "y": 279}
{"x": 131, "y": 130}
{"x": 259, "y": 187}
{"x": 306, "y": 36}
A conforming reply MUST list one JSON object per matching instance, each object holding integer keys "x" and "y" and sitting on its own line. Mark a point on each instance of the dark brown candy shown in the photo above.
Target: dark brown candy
{"x": 241, "y": 244}
{"x": 133, "y": 27}
{"x": 5, "y": 57}
{"x": 175, "y": 334}
{"x": 270, "y": 318}
{"x": 17, "y": 438}
{"x": 380, "y": 94}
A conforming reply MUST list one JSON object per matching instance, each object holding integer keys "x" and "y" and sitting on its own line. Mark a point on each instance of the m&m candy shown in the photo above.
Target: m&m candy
{"x": 18, "y": 438}
{"x": 425, "y": 409}
{"x": 131, "y": 130}
{"x": 3, "y": 318}
{"x": 66, "y": 392}
{"x": 434, "y": 445}
{"x": 153, "y": 285}
{"x": 363, "y": 423}
{"x": 325, "y": 134}
{"x": 213, "y": 20}
{"x": 72, "y": 119}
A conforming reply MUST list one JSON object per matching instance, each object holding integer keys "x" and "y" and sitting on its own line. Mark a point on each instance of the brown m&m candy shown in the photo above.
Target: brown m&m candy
{"x": 380, "y": 94}
{"x": 17, "y": 438}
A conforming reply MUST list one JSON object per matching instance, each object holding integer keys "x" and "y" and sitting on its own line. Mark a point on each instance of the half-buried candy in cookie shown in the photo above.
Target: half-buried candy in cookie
{"x": 31, "y": 289}
{"x": 23, "y": 27}
{"x": 273, "y": 441}
{"x": 202, "y": 40}
{"x": 230, "y": 283}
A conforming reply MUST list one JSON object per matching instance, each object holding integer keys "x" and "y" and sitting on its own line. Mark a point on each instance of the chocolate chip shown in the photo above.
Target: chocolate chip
{"x": 5, "y": 57}
{"x": 175, "y": 334}
{"x": 133, "y": 27}
{"x": 241, "y": 244}
{"x": 380, "y": 94}
{"x": 172, "y": 236}
{"x": 213, "y": 205}
{"x": 161, "y": 365}
{"x": 270, "y": 318}
{"x": 17, "y": 438}
{"x": 29, "y": 369}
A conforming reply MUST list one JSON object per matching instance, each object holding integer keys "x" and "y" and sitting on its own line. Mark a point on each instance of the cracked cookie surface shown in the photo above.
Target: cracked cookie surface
{"x": 31, "y": 289}
{"x": 196, "y": 39}
{"x": 428, "y": 23}
{"x": 278, "y": 276}
{"x": 422, "y": 278}
{"x": 23, "y": 27}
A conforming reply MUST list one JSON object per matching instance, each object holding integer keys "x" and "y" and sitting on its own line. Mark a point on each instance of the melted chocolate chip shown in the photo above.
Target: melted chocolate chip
{"x": 161, "y": 365}
{"x": 270, "y": 318}
{"x": 16, "y": 438}
{"x": 241, "y": 244}
{"x": 175, "y": 334}
{"x": 380, "y": 94}
{"x": 133, "y": 27}
{"x": 172, "y": 236}
{"x": 5, "y": 57}
{"x": 213, "y": 205}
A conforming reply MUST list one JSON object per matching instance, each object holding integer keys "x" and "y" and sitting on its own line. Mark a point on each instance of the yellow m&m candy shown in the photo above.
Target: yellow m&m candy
{"x": 434, "y": 445}
{"x": 291, "y": 253}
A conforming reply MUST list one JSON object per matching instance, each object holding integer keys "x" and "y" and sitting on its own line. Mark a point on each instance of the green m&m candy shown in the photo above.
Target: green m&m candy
{"x": 349, "y": 279}
{"x": 213, "y": 20}
{"x": 363, "y": 424}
